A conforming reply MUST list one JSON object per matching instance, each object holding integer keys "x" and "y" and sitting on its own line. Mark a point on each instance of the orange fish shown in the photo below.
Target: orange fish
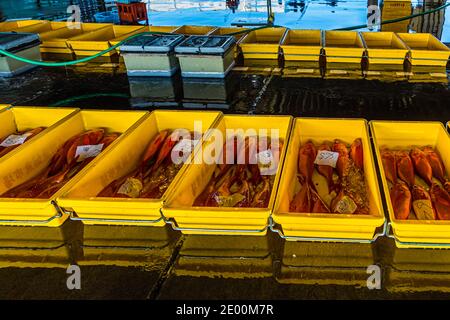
{"x": 401, "y": 200}
{"x": 405, "y": 169}
{"x": 343, "y": 162}
{"x": 389, "y": 165}
{"x": 30, "y": 134}
{"x": 441, "y": 201}
{"x": 356, "y": 153}
{"x": 306, "y": 158}
{"x": 155, "y": 145}
{"x": 422, "y": 205}
{"x": 422, "y": 166}
{"x": 324, "y": 170}
{"x": 436, "y": 164}
{"x": 302, "y": 200}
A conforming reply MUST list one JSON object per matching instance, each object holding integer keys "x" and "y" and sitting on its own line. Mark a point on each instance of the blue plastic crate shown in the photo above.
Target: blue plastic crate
{"x": 107, "y": 17}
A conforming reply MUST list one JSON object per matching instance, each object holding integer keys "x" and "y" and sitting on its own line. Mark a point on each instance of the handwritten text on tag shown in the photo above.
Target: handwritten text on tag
{"x": 88, "y": 151}
{"x": 326, "y": 158}
{"x": 14, "y": 139}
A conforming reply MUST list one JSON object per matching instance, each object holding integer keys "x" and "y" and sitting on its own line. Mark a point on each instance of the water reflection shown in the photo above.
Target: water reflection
{"x": 38, "y": 247}
{"x": 235, "y": 257}
{"x": 149, "y": 247}
{"x": 188, "y": 93}
{"x": 149, "y": 92}
{"x": 416, "y": 270}
{"x": 325, "y": 263}
{"x": 209, "y": 93}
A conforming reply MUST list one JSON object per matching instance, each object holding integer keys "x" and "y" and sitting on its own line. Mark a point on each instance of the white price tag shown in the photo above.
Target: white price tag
{"x": 326, "y": 158}
{"x": 14, "y": 139}
{"x": 88, "y": 151}
{"x": 265, "y": 157}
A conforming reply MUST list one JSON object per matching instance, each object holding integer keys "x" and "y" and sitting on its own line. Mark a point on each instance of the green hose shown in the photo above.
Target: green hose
{"x": 99, "y": 54}
{"x": 397, "y": 19}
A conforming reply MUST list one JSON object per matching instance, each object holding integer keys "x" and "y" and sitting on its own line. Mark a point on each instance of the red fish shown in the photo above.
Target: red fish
{"x": 356, "y": 153}
{"x": 436, "y": 164}
{"x": 405, "y": 168}
{"x": 422, "y": 206}
{"x": 324, "y": 170}
{"x": 389, "y": 165}
{"x": 302, "y": 200}
{"x": 441, "y": 201}
{"x": 307, "y": 156}
{"x": 401, "y": 200}
{"x": 30, "y": 134}
{"x": 343, "y": 161}
{"x": 422, "y": 166}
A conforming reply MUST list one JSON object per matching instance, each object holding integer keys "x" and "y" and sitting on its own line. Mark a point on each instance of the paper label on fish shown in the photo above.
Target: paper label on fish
{"x": 423, "y": 209}
{"x": 132, "y": 187}
{"x": 346, "y": 206}
{"x": 326, "y": 158}
{"x": 183, "y": 149}
{"x": 14, "y": 140}
{"x": 88, "y": 151}
{"x": 267, "y": 163}
{"x": 265, "y": 157}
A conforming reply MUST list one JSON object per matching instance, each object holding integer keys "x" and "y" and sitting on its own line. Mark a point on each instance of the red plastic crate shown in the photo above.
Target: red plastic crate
{"x": 132, "y": 13}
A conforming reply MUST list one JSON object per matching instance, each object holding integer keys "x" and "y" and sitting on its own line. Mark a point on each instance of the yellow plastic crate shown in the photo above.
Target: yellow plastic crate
{"x": 194, "y": 30}
{"x": 26, "y": 163}
{"x": 45, "y": 26}
{"x": 93, "y": 42}
{"x": 302, "y": 45}
{"x": 328, "y": 227}
{"x": 225, "y": 221}
{"x": 263, "y": 44}
{"x": 425, "y": 49}
{"x": 13, "y": 25}
{"x": 82, "y": 197}
{"x": 343, "y": 46}
{"x": 397, "y": 5}
{"x": 394, "y": 135}
{"x": 22, "y": 118}
{"x": 384, "y": 48}
{"x": 56, "y": 41}
{"x": 226, "y": 31}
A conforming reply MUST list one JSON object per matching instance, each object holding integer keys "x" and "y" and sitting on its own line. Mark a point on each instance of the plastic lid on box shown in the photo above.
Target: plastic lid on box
{"x": 152, "y": 43}
{"x": 206, "y": 44}
{"x": 13, "y": 41}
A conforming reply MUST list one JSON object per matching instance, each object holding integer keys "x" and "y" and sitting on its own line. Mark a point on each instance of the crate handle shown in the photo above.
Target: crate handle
{"x": 73, "y": 217}
{"x": 59, "y": 214}
{"x": 349, "y": 240}
{"x": 391, "y": 235}
{"x": 177, "y": 228}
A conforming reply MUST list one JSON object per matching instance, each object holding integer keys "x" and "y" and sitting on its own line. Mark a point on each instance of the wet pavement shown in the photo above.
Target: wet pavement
{"x": 107, "y": 86}
{"x": 158, "y": 263}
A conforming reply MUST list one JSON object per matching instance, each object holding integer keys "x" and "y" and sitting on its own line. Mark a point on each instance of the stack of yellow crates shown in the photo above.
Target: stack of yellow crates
{"x": 393, "y": 9}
